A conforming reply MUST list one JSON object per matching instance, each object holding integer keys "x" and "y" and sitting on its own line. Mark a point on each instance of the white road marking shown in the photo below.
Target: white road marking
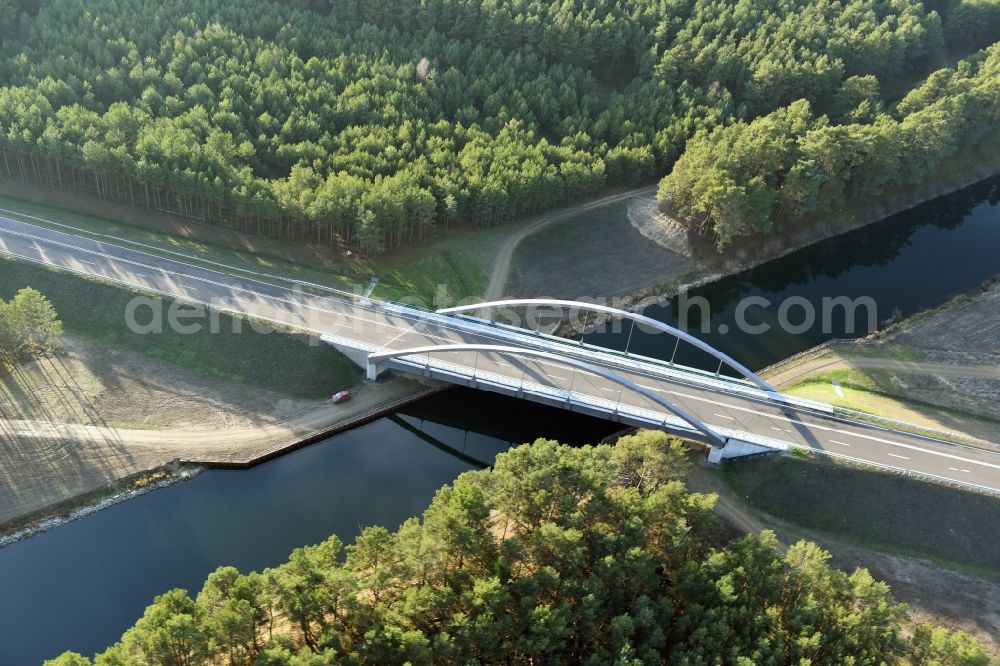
{"x": 955, "y": 469}
{"x": 411, "y": 329}
{"x": 898, "y": 456}
{"x": 445, "y": 327}
{"x": 555, "y": 377}
{"x": 816, "y": 426}
{"x": 723, "y": 416}
{"x": 345, "y": 308}
{"x": 833, "y": 441}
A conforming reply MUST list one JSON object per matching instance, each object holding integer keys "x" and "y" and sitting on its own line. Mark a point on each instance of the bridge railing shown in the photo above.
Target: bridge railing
{"x": 488, "y": 325}
{"x": 579, "y": 344}
{"x": 634, "y": 361}
{"x": 459, "y": 373}
{"x": 636, "y": 319}
{"x": 618, "y": 410}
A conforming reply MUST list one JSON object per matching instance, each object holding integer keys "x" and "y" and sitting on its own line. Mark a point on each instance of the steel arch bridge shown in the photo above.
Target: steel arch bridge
{"x": 636, "y": 318}
{"x": 714, "y": 438}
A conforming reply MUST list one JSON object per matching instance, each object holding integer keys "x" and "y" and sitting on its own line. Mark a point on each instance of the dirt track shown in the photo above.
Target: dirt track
{"x": 940, "y": 369}
{"x": 944, "y": 370}
{"x": 501, "y": 268}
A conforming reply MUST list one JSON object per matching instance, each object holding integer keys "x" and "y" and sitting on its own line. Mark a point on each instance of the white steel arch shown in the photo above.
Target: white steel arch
{"x": 714, "y": 438}
{"x": 633, "y": 316}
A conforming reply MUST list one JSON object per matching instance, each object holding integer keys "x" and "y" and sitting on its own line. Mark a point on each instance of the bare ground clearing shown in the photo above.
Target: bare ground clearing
{"x": 96, "y": 384}
{"x": 500, "y": 275}
{"x": 93, "y": 415}
{"x": 597, "y": 253}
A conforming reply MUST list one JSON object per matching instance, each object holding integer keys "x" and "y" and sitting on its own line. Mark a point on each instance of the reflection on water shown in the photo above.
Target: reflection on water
{"x": 910, "y": 262}
{"x": 81, "y": 585}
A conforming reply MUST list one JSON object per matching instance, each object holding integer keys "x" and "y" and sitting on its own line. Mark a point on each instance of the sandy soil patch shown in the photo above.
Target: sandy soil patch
{"x": 95, "y": 384}
{"x": 939, "y": 369}
{"x": 645, "y": 216}
{"x": 93, "y": 415}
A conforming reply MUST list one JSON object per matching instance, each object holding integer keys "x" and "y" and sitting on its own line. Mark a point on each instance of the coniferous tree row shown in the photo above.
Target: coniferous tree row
{"x": 749, "y": 178}
{"x": 372, "y": 123}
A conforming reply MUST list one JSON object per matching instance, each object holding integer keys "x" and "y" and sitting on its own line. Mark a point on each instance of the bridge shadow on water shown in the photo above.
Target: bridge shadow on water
{"x": 416, "y": 429}
{"x": 470, "y": 414}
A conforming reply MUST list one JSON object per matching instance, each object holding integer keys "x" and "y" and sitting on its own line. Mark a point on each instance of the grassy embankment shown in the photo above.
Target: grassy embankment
{"x": 885, "y": 511}
{"x": 936, "y": 369}
{"x": 572, "y": 258}
{"x": 877, "y": 392}
{"x": 461, "y": 260}
{"x": 281, "y": 361}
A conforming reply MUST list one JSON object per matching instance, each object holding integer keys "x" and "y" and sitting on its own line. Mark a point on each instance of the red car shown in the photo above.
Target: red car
{"x": 340, "y": 396}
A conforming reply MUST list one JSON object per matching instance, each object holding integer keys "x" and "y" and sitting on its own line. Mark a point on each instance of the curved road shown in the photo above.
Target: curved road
{"x": 501, "y": 267}
{"x": 369, "y": 326}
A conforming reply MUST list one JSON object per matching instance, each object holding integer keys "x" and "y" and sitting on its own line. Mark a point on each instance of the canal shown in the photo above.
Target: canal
{"x": 79, "y": 586}
{"x": 910, "y": 262}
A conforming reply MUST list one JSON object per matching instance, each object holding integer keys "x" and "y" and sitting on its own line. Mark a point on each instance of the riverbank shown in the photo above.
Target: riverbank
{"x": 939, "y": 369}
{"x": 764, "y": 250}
{"x": 52, "y": 471}
{"x": 920, "y": 538}
{"x": 85, "y": 504}
{"x": 572, "y": 258}
{"x": 114, "y": 407}
{"x": 381, "y": 473}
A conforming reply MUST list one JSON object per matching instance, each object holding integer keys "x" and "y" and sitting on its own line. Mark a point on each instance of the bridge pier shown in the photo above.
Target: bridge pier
{"x": 738, "y": 449}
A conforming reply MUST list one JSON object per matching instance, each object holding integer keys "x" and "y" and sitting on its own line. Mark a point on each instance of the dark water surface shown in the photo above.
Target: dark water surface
{"x": 81, "y": 585}
{"x": 910, "y": 262}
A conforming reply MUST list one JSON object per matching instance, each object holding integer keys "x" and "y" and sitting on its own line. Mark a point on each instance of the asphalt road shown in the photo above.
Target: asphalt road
{"x": 270, "y": 299}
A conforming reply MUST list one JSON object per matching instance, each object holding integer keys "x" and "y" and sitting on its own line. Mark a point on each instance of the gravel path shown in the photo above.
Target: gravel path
{"x": 501, "y": 268}
{"x": 831, "y": 362}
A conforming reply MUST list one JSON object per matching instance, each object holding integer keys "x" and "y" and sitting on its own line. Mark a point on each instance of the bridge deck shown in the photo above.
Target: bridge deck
{"x": 732, "y": 407}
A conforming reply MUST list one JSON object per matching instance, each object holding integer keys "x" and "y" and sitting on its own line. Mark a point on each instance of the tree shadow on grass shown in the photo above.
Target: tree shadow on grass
{"x": 43, "y": 459}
